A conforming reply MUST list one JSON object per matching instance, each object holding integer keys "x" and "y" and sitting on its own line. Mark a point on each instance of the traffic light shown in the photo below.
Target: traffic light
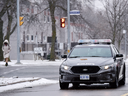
{"x": 62, "y": 22}
{"x": 21, "y": 22}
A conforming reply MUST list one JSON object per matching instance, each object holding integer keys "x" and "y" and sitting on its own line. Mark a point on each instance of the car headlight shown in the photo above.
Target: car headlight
{"x": 106, "y": 67}
{"x": 65, "y": 67}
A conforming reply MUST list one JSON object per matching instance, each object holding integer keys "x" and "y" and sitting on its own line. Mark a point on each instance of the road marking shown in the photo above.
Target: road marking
{"x": 125, "y": 94}
{"x": 12, "y": 71}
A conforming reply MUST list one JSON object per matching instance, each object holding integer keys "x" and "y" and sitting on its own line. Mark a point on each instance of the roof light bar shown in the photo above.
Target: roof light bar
{"x": 94, "y": 41}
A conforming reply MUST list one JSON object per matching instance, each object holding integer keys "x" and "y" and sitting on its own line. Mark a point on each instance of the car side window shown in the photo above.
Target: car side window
{"x": 115, "y": 49}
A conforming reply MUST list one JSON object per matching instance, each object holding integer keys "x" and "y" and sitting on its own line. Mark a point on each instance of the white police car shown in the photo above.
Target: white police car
{"x": 93, "y": 61}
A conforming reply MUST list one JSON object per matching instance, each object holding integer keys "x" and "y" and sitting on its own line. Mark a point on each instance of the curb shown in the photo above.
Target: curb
{"x": 22, "y": 81}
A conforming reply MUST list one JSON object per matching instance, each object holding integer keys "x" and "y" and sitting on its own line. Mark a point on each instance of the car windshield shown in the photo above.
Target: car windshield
{"x": 91, "y": 51}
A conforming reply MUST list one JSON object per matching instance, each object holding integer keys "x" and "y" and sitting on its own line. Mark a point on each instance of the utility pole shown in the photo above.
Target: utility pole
{"x": 68, "y": 35}
{"x": 18, "y": 33}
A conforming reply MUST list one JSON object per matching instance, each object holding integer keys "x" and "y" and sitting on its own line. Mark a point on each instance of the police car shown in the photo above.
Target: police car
{"x": 92, "y": 61}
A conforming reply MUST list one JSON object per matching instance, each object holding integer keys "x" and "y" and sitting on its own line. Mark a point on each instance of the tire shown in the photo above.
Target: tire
{"x": 63, "y": 85}
{"x": 75, "y": 85}
{"x": 122, "y": 82}
{"x": 115, "y": 84}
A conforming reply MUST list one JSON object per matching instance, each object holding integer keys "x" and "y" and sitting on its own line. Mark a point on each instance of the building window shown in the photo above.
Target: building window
{"x": 45, "y": 19}
{"x": 32, "y": 10}
{"x": 32, "y": 37}
{"x": 27, "y": 37}
{"x": 48, "y": 18}
{"x": 45, "y": 40}
{"x": 44, "y": 12}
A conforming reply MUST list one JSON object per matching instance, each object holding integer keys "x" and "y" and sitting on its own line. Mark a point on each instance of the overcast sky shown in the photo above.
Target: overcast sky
{"x": 98, "y": 4}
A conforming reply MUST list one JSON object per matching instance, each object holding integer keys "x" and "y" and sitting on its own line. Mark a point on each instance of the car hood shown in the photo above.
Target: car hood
{"x": 88, "y": 61}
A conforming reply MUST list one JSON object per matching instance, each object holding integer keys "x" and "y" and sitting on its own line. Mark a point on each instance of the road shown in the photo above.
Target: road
{"x": 51, "y": 72}
{"x": 48, "y": 72}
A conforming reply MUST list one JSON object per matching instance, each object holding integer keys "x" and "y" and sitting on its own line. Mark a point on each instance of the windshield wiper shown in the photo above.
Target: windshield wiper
{"x": 95, "y": 56}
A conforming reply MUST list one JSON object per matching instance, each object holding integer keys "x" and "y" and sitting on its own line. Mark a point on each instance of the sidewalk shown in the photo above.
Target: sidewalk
{"x": 32, "y": 63}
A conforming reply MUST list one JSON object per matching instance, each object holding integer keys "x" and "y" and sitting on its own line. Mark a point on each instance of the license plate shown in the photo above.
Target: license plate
{"x": 84, "y": 77}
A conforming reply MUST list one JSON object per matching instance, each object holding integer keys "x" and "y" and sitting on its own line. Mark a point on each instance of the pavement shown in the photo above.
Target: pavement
{"x": 17, "y": 83}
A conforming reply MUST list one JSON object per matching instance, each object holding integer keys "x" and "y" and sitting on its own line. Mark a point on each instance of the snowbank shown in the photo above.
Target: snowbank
{"x": 30, "y": 82}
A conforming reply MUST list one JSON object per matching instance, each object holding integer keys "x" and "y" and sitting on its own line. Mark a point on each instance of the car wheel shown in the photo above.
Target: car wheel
{"x": 63, "y": 85}
{"x": 115, "y": 84}
{"x": 75, "y": 85}
{"x": 122, "y": 82}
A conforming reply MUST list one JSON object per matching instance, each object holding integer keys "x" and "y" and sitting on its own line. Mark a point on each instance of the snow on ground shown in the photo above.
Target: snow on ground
{"x": 33, "y": 63}
{"x": 14, "y": 80}
{"x": 29, "y": 83}
{"x": 126, "y": 61}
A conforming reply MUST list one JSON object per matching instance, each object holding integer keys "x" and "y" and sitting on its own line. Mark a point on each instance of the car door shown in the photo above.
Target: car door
{"x": 119, "y": 64}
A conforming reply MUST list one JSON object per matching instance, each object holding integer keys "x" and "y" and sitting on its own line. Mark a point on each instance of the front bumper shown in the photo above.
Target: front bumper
{"x": 100, "y": 77}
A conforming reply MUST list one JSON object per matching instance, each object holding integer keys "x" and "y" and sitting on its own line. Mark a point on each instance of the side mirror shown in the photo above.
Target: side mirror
{"x": 63, "y": 56}
{"x": 119, "y": 55}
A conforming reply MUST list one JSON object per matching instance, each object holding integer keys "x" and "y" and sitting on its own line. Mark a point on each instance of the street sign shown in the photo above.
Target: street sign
{"x": 75, "y": 12}
{"x": 38, "y": 50}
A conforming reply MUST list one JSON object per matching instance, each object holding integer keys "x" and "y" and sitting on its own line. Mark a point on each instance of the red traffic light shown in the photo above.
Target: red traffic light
{"x": 62, "y": 19}
{"x": 63, "y": 25}
{"x": 62, "y": 22}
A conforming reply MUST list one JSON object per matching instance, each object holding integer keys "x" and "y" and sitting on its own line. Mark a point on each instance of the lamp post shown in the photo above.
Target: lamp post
{"x": 68, "y": 8}
{"x": 124, "y": 32}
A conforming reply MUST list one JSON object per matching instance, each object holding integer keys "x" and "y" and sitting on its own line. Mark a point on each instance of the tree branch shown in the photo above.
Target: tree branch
{"x": 61, "y": 8}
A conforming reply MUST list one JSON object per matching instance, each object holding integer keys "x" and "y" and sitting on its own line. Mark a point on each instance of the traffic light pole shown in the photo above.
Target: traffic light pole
{"x": 18, "y": 34}
{"x": 68, "y": 35}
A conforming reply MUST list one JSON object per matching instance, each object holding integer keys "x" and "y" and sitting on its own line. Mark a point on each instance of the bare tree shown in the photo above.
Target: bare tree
{"x": 8, "y": 13}
{"x": 94, "y": 21}
{"x": 57, "y": 7}
{"x": 3, "y": 8}
{"x": 115, "y": 12}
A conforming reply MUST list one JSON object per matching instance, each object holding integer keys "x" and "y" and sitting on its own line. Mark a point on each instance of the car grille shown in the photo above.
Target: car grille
{"x": 85, "y": 69}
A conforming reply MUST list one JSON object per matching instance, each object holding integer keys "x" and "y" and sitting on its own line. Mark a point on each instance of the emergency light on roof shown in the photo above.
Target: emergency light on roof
{"x": 94, "y": 41}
